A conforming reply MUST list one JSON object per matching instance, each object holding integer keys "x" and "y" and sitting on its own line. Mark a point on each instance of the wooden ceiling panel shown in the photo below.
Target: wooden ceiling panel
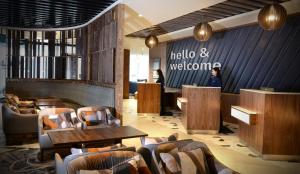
{"x": 218, "y": 11}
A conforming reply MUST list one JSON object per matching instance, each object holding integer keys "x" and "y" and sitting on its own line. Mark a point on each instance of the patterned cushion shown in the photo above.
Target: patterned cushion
{"x": 191, "y": 162}
{"x": 61, "y": 121}
{"x": 90, "y": 118}
{"x": 209, "y": 156}
{"x": 156, "y": 140}
{"x": 134, "y": 165}
{"x": 111, "y": 120}
{"x": 163, "y": 148}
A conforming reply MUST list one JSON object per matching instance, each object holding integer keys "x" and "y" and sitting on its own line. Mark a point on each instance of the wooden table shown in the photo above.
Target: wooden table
{"x": 78, "y": 137}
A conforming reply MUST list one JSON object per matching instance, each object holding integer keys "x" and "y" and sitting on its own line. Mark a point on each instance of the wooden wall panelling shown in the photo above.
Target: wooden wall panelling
{"x": 126, "y": 74}
{"x": 148, "y": 100}
{"x": 228, "y": 100}
{"x": 277, "y": 124}
{"x": 119, "y": 13}
{"x": 253, "y": 134}
{"x": 203, "y": 109}
{"x": 282, "y": 124}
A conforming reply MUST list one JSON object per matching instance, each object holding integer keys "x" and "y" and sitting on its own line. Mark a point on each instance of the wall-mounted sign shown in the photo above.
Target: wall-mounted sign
{"x": 184, "y": 60}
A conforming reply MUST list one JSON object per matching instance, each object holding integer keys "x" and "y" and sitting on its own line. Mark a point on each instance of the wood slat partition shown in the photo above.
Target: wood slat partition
{"x": 277, "y": 124}
{"x": 102, "y": 42}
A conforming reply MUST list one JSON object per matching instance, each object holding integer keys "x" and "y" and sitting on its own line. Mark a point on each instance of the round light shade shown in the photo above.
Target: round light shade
{"x": 272, "y": 17}
{"x": 151, "y": 41}
{"x": 202, "y": 31}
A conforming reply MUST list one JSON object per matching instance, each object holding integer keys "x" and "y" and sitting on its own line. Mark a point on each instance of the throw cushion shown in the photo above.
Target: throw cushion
{"x": 191, "y": 162}
{"x": 163, "y": 148}
{"x": 208, "y": 155}
{"x": 156, "y": 140}
{"x": 50, "y": 122}
{"x": 90, "y": 118}
{"x": 134, "y": 165}
{"x": 26, "y": 104}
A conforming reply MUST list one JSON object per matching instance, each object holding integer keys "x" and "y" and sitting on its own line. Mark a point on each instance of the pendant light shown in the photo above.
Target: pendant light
{"x": 151, "y": 41}
{"x": 272, "y": 17}
{"x": 202, "y": 31}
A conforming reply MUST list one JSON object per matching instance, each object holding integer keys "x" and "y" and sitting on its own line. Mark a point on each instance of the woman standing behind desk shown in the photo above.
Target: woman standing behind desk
{"x": 161, "y": 80}
{"x": 216, "y": 81}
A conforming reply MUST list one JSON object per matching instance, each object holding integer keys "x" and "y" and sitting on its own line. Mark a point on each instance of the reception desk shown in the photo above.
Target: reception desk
{"x": 269, "y": 123}
{"x": 148, "y": 99}
{"x": 200, "y": 109}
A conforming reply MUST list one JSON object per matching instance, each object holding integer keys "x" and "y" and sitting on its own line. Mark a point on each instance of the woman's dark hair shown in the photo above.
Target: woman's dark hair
{"x": 160, "y": 74}
{"x": 217, "y": 69}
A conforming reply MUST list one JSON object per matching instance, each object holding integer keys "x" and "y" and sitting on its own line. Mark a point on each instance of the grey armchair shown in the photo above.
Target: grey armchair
{"x": 19, "y": 128}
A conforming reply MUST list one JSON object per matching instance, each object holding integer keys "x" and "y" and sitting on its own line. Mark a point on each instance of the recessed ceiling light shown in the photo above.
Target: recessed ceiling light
{"x": 140, "y": 15}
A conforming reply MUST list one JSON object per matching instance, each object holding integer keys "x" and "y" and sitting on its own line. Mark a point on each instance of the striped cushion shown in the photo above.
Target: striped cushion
{"x": 106, "y": 171}
{"x": 103, "y": 160}
{"x": 191, "y": 162}
{"x": 163, "y": 148}
{"x": 156, "y": 140}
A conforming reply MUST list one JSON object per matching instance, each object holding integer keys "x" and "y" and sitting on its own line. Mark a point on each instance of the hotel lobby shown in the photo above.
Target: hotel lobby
{"x": 139, "y": 86}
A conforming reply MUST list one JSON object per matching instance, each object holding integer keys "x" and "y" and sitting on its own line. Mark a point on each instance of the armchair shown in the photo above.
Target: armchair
{"x": 19, "y": 127}
{"x": 44, "y": 139}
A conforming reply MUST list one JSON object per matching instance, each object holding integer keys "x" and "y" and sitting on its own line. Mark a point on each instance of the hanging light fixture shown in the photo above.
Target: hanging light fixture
{"x": 272, "y": 17}
{"x": 202, "y": 31}
{"x": 151, "y": 41}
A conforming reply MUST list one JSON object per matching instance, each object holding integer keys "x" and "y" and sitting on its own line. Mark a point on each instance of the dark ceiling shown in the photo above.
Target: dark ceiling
{"x": 49, "y": 13}
{"x": 215, "y": 12}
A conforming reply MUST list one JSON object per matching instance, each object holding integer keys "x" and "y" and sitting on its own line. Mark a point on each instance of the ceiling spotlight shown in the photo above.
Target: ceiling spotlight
{"x": 272, "y": 17}
{"x": 140, "y": 15}
{"x": 202, "y": 31}
{"x": 151, "y": 41}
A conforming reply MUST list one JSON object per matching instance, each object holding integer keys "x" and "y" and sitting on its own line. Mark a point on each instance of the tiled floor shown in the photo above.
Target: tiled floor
{"x": 226, "y": 148}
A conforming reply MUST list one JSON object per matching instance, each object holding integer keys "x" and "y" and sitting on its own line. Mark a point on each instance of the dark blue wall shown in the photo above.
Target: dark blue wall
{"x": 250, "y": 58}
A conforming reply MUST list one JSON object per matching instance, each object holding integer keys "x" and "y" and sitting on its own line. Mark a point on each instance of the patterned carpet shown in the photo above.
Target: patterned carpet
{"x": 23, "y": 160}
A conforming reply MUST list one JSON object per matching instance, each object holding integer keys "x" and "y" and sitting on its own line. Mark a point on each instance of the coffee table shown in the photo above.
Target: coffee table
{"x": 93, "y": 137}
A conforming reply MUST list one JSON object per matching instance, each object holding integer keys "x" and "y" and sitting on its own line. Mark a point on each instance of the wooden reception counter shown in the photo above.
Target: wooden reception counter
{"x": 269, "y": 122}
{"x": 148, "y": 99}
{"x": 200, "y": 109}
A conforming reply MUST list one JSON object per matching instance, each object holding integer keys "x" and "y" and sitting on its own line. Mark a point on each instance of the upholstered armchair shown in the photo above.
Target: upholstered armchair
{"x": 106, "y": 116}
{"x": 19, "y": 128}
{"x": 151, "y": 152}
{"x": 44, "y": 139}
{"x": 123, "y": 160}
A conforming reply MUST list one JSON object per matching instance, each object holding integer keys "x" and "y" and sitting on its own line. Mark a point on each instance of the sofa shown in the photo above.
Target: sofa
{"x": 151, "y": 156}
{"x": 118, "y": 161}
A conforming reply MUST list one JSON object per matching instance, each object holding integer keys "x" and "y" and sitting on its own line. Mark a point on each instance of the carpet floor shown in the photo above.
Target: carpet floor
{"x": 23, "y": 160}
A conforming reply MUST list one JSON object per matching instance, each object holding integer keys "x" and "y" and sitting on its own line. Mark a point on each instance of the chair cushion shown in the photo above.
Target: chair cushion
{"x": 156, "y": 140}
{"x": 191, "y": 162}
